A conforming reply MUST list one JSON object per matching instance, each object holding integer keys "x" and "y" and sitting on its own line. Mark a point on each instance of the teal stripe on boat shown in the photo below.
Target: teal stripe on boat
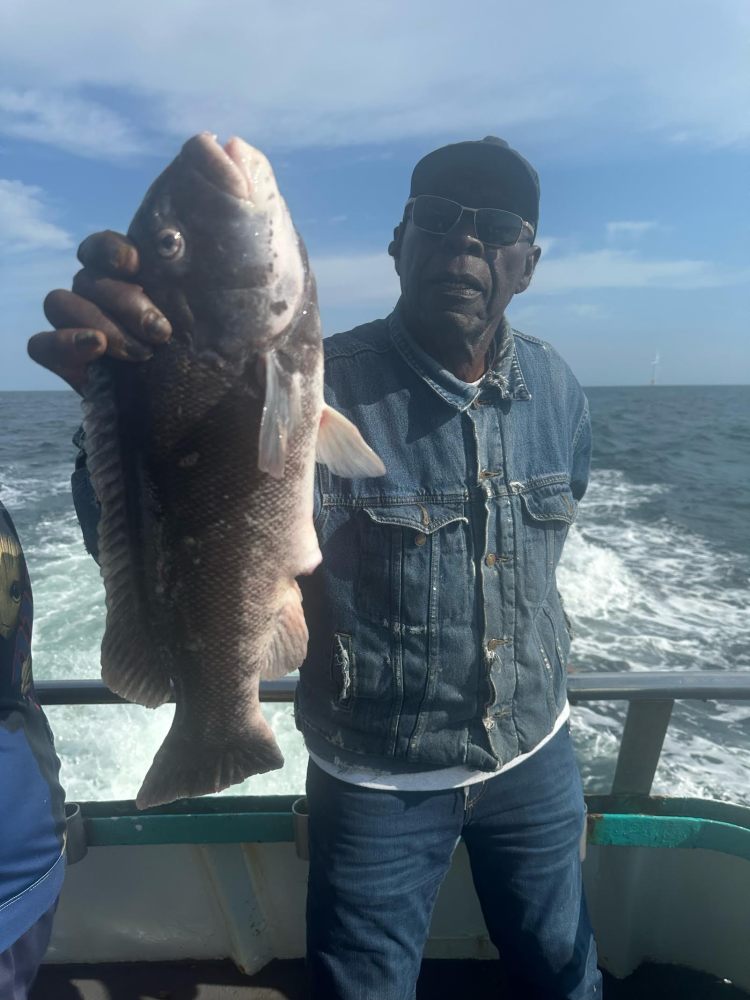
{"x": 614, "y": 821}
{"x": 626, "y": 830}
{"x": 225, "y": 820}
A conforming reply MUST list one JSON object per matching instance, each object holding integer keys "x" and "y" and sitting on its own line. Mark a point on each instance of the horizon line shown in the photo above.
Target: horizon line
{"x": 613, "y": 385}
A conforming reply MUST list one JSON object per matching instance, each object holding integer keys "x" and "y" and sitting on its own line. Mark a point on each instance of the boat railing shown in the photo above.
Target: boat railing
{"x": 650, "y": 696}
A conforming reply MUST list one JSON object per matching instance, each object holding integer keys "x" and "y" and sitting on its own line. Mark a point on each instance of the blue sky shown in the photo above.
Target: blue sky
{"x": 635, "y": 116}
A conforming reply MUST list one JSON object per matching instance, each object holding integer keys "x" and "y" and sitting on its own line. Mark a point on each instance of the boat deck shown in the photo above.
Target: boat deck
{"x": 285, "y": 980}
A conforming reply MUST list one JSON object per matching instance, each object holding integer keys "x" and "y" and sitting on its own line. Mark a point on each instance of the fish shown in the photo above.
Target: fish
{"x": 203, "y": 458}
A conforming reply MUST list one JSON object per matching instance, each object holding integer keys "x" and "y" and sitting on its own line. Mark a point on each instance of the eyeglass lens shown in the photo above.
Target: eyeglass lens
{"x": 439, "y": 215}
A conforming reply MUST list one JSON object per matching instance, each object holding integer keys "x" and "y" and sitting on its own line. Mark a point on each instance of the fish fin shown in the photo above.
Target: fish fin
{"x": 130, "y": 668}
{"x": 288, "y": 646}
{"x": 343, "y": 449}
{"x": 187, "y": 765}
{"x": 130, "y": 665}
{"x": 281, "y": 415}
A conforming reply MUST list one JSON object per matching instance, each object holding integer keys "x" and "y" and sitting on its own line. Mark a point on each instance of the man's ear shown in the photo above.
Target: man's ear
{"x": 530, "y": 263}
{"x": 394, "y": 247}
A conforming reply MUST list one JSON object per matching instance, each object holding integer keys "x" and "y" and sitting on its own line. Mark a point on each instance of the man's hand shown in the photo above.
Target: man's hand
{"x": 106, "y": 313}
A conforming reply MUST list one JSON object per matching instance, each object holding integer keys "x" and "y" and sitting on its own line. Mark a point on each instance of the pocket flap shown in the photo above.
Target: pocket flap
{"x": 551, "y": 503}
{"x": 425, "y": 517}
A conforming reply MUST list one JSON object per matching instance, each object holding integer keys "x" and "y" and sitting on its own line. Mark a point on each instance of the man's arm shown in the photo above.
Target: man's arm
{"x": 581, "y": 466}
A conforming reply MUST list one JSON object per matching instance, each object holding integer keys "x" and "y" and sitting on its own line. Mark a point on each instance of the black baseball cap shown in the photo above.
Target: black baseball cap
{"x": 516, "y": 178}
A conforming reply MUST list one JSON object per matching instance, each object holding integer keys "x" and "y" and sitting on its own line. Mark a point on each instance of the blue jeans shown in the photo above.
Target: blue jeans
{"x": 377, "y": 860}
{"x": 20, "y": 963}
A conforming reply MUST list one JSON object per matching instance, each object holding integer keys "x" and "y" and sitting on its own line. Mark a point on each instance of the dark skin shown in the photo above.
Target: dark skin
{"x": 454, "y": 292}
{"x": 106, "y": 313}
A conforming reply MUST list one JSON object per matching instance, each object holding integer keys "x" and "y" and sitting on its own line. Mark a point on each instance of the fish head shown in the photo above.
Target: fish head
{"x": 219, "y": 252}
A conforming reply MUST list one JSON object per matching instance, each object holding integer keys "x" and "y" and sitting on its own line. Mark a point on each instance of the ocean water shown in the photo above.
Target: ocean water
{"x": 655, "y": 576}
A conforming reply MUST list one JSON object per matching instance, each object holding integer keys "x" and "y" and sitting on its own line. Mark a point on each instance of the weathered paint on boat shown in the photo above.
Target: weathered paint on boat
{"x": 667, "y": 881}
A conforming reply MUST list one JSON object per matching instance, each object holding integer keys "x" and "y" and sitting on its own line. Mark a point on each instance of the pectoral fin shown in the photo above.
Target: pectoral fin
{"x": 343, "y": 449}
{"x": 288, "y": 646}
{"x": 281, "y": 414}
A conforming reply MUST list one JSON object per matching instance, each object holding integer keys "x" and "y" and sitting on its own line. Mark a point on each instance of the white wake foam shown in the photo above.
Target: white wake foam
{"x": 641, "y": 596}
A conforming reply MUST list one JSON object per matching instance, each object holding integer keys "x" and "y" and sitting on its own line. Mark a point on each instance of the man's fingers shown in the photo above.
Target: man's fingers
{"x": 109, "y": 253}
{"x": 68, "y": 353}
{"x": 127, "y": 303}
{"x": 66, "y": 310}
{"x": 103, "y": 315}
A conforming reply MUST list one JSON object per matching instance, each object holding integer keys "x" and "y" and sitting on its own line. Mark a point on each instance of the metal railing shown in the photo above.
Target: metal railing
{"x": 650, "y": 695}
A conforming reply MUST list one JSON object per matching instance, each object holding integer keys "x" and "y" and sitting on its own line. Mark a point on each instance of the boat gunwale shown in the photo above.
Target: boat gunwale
{"x": 613, "y": 821}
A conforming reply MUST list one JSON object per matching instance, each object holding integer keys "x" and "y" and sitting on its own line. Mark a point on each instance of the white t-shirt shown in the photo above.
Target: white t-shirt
{"x": 426, "y": 781}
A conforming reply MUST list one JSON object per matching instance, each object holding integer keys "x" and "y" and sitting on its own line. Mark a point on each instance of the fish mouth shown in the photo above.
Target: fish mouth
{"x": 234, "y": 168}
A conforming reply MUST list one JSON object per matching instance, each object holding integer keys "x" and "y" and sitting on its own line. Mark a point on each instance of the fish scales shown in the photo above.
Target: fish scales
{"x": 203, "y": 461}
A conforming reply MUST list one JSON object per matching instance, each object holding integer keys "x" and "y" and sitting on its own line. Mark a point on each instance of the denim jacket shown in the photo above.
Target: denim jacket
{"x": 437, "y": 634}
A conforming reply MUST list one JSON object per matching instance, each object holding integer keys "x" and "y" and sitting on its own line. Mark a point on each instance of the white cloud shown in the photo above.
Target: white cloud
{"x": 299, "y": 74}
{"x": 545, "y": 312}
{"x": 22, "y": 221}
{"x": 356, "y": 279}
{"x": 630, "y": 230}
{"x": 66, "y": 122}
{"x": 549, "y": 244}
{"x": 369, "y": 278}
{"x": 625, "y": 269}
{"x": 587, "y": 310}
{"x": 36, "y": 255}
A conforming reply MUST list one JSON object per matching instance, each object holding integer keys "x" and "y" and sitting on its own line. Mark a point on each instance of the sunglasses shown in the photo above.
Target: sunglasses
{"x": 494, "y": 226}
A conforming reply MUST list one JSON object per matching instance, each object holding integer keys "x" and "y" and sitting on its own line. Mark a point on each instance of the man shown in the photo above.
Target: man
{"x": 432, "y": 699}
{"x": 32, "y": 810}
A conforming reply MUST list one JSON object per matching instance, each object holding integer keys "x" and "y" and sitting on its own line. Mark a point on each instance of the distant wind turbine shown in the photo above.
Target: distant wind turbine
{"x": 654, "y": 369}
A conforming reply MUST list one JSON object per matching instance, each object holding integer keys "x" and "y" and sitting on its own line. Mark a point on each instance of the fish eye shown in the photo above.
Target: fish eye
{"x": 170, "y": 243}
{"x": 15, "y": 590}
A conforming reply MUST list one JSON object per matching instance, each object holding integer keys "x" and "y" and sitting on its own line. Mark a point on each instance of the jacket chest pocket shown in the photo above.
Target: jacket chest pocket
{"x": 546, "y": 515}
{"x": 409, "y": 555}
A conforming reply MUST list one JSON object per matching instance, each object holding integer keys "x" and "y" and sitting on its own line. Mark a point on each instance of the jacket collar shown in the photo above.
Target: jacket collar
{"x": 503, "y": 377}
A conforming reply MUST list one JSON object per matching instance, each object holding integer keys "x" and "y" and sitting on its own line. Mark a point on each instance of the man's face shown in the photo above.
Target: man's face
{"x": 453, "y": 287}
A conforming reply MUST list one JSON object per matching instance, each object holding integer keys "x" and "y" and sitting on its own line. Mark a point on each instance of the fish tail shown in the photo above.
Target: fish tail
{"x": 187, "y": 765}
